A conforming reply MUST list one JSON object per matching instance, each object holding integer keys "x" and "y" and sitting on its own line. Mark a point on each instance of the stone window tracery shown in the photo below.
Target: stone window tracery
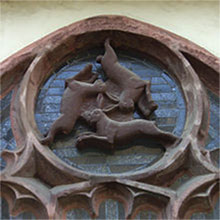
{"x": 138, "y": 182}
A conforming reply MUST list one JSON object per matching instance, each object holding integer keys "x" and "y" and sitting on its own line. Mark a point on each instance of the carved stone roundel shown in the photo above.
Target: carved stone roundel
{"x": 170, "y": 116}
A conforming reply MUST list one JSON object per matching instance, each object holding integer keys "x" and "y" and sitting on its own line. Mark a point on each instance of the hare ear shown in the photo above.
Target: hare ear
{"x": 89, "y": 67}
{"x": 139, "y": 83}
{"x": 99, "y": 59}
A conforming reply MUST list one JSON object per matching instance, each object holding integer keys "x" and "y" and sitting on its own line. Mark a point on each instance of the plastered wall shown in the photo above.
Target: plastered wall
{"x": 23, "y": 22}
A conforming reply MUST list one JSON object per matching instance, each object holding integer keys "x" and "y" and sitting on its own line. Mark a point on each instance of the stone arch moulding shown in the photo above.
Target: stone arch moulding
{"x": 36, "y": 180}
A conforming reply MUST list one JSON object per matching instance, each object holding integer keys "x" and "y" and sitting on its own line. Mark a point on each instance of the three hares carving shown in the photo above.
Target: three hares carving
{"x": 85, "y": 88}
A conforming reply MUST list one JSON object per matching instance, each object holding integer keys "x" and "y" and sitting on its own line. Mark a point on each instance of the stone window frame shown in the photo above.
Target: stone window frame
{"x": 36, "y": 180}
